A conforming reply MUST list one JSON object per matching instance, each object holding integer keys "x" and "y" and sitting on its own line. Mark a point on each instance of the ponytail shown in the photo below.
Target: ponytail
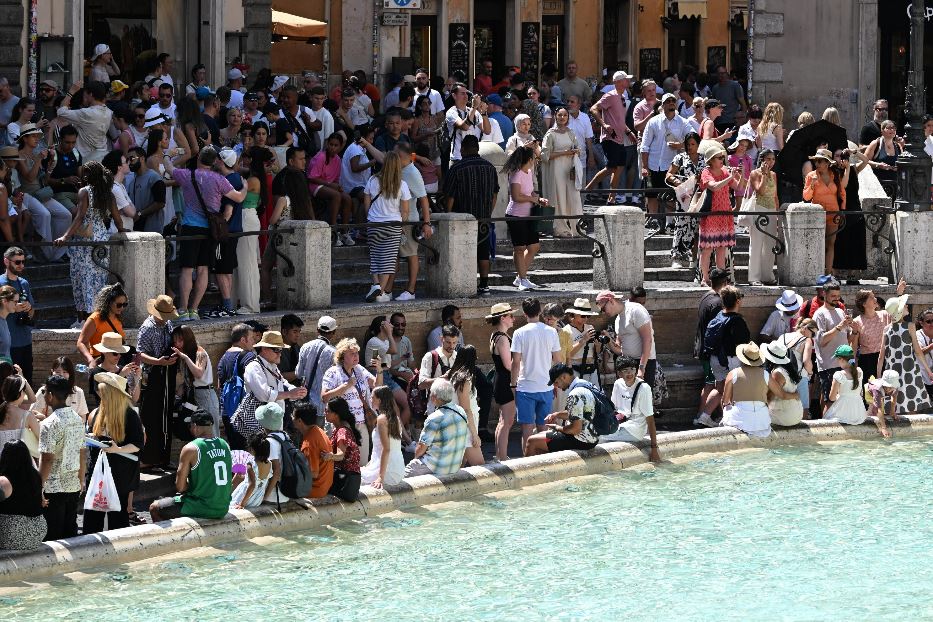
{"x": 3, "y": 411}
{"x": 853, "y": 371}
{"x": 388, "y": 408}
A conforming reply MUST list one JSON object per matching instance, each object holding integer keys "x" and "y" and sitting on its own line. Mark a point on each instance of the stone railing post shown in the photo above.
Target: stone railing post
{"x": 454, "y": 274}
{"x": 805, "y": 242}
{"x": 914, "y": 230}
{"x": 140, "y": 262}
{"x": 302, "y": 279}
{"x": 621, "y": 231}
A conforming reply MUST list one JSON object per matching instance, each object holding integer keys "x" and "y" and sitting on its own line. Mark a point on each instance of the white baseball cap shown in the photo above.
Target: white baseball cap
{"x": 235, "y": 74}
{"x": 228, "y": 157}
{"x": 621, "y": 75}
{"x": 100, "y": 48}
{"x": 327, "y": 323}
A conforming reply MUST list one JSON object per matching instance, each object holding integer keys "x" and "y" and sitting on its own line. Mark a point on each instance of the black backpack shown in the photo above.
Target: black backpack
{"x": 296, "y": 477}
{"x": 604, "y": 415}
{"x": 713, "y": 339}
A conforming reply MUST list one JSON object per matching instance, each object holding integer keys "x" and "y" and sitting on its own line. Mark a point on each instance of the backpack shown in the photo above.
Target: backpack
{"x": 296, "y": 477}
{"x": 712, "y": 339}
{"x": 604, "y": 415}
{"x": 417, "y": 398}
{"x": 233, "y": 391}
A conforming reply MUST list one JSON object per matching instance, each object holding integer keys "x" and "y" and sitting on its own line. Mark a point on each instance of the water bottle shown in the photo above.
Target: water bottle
{"x": 81, "y": 368}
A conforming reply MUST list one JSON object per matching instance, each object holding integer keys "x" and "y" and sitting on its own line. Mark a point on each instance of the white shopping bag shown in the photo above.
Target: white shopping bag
{"x": 102, "y": 492}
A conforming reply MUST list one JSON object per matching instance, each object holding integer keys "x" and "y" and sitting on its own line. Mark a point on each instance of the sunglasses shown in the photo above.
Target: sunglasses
{"x": 122, "y": 305}
{"x": 141, "y": 116}
{"x": 18, "y": 262}
{"x": 275, "y": 350}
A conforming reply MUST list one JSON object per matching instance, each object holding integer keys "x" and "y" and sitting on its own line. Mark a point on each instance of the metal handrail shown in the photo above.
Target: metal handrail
{"x": 599, "y": 250}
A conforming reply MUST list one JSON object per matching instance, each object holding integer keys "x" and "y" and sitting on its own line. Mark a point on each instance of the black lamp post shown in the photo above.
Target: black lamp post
{"x": 913, "y": 165}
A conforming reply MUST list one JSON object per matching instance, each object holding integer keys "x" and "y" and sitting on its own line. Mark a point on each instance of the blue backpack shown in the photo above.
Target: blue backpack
{"x": 712, "y": 339}
{"x": 604, "y": 416}
{"x": 233, "y": 391}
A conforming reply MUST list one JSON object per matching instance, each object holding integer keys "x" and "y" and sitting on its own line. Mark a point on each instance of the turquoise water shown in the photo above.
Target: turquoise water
{"x": 834, "y": 532}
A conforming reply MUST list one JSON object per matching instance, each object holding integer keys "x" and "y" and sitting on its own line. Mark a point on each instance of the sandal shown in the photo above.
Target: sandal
{"x": 135, "y": 519}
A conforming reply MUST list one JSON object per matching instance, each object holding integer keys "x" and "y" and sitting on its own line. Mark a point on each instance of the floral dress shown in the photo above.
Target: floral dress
{"x": 717, "y": 231}
{"x": 87, "y": 276}
{"x": 685, "y": 228}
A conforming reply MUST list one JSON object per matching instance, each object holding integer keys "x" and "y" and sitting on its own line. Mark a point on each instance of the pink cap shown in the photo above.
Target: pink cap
{"x": 605, "y": 296}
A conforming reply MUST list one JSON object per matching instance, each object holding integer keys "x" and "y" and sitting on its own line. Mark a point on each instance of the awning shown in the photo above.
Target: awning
{"x": 692, "y": 8}
{"x": 288, "y": 25}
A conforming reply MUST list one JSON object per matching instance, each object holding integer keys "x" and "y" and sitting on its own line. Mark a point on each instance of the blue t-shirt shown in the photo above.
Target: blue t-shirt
{"x": 505, "y": 126}
{"x": 20, "y": 333}
{"x": 236, "y": 221}
{"x": 5, "y": 342}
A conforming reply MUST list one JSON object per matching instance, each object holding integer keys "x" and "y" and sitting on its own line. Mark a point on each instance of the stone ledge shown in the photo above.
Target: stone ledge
{"x": 136, "y": 543}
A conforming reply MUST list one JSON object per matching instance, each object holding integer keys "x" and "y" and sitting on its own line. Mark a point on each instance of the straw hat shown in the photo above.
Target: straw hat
{"x": 111, "y": 342}
{"x": 896, "y": 306}
{"x": 711, "y": 148}
{"x": 272, "y": 339}
{"x": 789, "y": 301}
{"x": 582, "y": 306}
{"x": 823, "y": 154}
{"x": 749, "y": 354}
{"x": 776, "y": 353}
{"x": 99, "y": 50}
{"x": 499, "y": 309}
{"x": 162, "y": 307}
{"x": 28, "y": 129}
{"x": 116, "y": 381}
{"x": 154, "y": 117}
{"x": 890, "y": 379}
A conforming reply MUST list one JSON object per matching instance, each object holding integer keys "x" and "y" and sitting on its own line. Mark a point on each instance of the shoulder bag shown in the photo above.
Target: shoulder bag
{"x": 749, "y": 204}
{"x": 367, "y": 410}
{"x": 220, "y": 228}
{"x": 702, "y": 201}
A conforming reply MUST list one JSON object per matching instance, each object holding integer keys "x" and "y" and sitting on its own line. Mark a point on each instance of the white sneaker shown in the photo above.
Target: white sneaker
{"x": 405, "y": 295}
{"x": 706, "y": 421}
{"x": 373, "y": 292}
{"x": 347, "y": 240}
{"x": 528, "y": 284}
{"x": 676, "y": 264}
{"x": 517, "y": 281}
{"x": 77, "y": 325}
{"x": 338, "y": 241}
{"x": 384, "y": 298}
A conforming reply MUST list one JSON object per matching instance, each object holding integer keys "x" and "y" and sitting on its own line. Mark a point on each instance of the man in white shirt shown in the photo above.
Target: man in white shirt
{"x": 166, "y": 104}
{"x": 634, "y": 333}
{"x": 235, "y": 79}
{"x": 322, "y": 114}
{"x": 583, "y": 128}
{"x": 462, "y": 120}
{"x": 92, "y": 122}
{"x": 423, "y": 88}
{"x": 535, "y": 348}
{"x": 437, "y": 362}
{"x": 662, "y": 139}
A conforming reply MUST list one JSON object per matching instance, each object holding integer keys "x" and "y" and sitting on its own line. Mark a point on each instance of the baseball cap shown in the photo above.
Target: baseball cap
{"x": 621, "y": 75}
{"x": 256, "y": 326}
{"x": 278, "y": 82}
{"x": 668, "y": 96}
{"x": 251, "y": 96}
{"x": 327, "y": 324}
{"x": 235, "y": 74}
{"x": 118, "y": 86}
{"x": 200, "y": 417}
{"x": 712, "y": 102}
{"x": 49, "y": 83}
{"x": 718, "y": 273}
{"x": 494, "y": 99}
{"x": 202, "y": 92}
{"x": 409, "y": 78}
{"x": 228, "y": 157}
{"x": 557, "y": 371}
{"x": 823, "y": 280}
{"x": 605, "y": 296}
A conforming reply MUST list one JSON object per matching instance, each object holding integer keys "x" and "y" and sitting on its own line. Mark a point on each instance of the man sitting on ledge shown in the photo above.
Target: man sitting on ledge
{"x": 578, "y": 430}
{"x": 444, "y": 437}
{"x": 204, "y": 475}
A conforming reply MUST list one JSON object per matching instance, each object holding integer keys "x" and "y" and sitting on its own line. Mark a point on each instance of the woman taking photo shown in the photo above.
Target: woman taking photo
{"x": 196, "y": 376}
{"x": 107, "y": 317}
{"x": 500, "y": 348}
{"x": 22, "y": 524}
{"x": 559, "y": 153}
{"x": 345, "y": 450}
{"x": 385, "y": 199}
{"x": 381, "y": 344}
{"x": 867, "y": 332}
{"x": 824, "y": 187}
{"x": 351, "y": 381}
{"x": 522, "y": 232}
{"x": 23, "y": 112}
{"x": 522, "y": 136}
{"x": 111, "y": 348}
{"x": 424, "y": 126}
{"x": 687, "y": 164}
{"x": 115, "y": 423}
{"x": 717, "y": 233}
{"x": 708, "y": 129}
{"x": 462, "y": 375}
{"x": 763, "y": 186}
{"x": 387, "y": 466}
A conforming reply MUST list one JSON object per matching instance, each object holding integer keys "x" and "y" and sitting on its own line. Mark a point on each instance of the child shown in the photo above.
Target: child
{"x": 878, "y": 391}
{"x": 249, "y": 491}
{"x": 845, "y": 394}
{"x": 427, "y": 168}
{"x": 634, "y": 407}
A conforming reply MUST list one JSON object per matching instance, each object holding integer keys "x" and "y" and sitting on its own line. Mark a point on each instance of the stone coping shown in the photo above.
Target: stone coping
{"x": 83, "y": 553}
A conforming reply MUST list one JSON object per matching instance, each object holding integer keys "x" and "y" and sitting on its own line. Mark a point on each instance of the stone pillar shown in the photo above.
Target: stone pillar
{"x": 914, "y": 232}
{"x": 454, "y": 275}
{"x": 305, "y": 284}
{"x": 622, "y": 234}
{"x": 257, "y": 21}
{"x": 805, "y": 242}
{"x": 140, "y": 263}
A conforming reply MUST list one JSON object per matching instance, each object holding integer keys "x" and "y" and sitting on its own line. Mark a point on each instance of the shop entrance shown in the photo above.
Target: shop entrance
{"x": 616, "y": 37}
{"x": 894, "y": 44}
{"x": 489, "y": 21}
{"x": 127, "y": 27}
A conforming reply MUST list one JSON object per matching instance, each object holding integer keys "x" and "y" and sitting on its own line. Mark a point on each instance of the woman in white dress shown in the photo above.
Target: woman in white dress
{"x": 250, "y": 492}
{"x": 387, "y": 465}
{"x": 846, "y": 393}
{"x": 782, "y": 366}
{"x": 559, "y": 154}
{"x": 461, "y": 375}
{"x": 745, "y": 398}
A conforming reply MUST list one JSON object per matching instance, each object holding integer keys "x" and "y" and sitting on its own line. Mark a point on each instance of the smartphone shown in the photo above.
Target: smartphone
{"x": 137, "y": 358}
{"x": 299, "y": 382}
{"x": 848, "y": 314}
{"x": 374, "y": 355}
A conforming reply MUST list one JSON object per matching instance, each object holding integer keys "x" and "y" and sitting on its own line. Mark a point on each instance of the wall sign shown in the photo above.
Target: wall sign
{"x": 531, "y": 46}
{"x": 458, "y": 49}
{"x": 401, "y": 4}
{"x": 395, "y": 19}
{"x": 649, "y": 63}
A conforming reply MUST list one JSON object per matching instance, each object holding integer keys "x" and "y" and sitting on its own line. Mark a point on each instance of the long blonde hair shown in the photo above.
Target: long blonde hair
{"x": 831, "y": 114}
{"x": 772, "y": 117}
{"x": 390, "y": 179}
{"x": 111, "y": 414}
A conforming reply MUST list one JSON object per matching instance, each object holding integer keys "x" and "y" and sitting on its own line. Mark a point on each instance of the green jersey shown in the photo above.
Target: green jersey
{"x": 209, "y": 482}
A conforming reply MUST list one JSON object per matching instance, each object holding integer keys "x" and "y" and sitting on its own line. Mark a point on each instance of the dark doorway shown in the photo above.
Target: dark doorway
{"x": 894, "y": 44}
{"x": 682, "y": 36}
{"x": 424, "y": 42}
{"x": 616, "y": 16}
{"x": 552, "y": 40}
{"x": 489, "y": 35}
{"x": 127, "y": 27}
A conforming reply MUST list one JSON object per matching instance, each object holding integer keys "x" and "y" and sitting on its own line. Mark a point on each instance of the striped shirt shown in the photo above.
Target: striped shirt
{"x": 472, "y": 183}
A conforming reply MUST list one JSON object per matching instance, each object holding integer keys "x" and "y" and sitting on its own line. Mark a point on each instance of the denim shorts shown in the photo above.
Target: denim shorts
{"x": 532, "y": 408}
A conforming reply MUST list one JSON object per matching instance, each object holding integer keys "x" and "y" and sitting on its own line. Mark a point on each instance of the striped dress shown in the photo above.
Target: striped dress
{"x": 384, "y": 242}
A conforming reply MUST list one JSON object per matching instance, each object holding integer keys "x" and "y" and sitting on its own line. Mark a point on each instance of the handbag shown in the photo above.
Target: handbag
{"x": 684, "y": 192}
{"x": 749, "y": 203}
{"x": 702, "y": 202}
{"x": 220, "y": 228}
{"x": 102, "y": 492}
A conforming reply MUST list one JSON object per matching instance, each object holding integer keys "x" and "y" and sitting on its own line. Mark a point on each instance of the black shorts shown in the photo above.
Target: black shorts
{"x": 651, "y": 371}
{"x": 826, "y": 382}
{"x": 194, "y": 253}
{"x": 523, "y": 232}
{"x": 558, "y": 441}
{"x": 483, "y": 247}
{"x": 656, "y": 183}
{"x": 615, "y": 153}
{"x": 226, "y": 263}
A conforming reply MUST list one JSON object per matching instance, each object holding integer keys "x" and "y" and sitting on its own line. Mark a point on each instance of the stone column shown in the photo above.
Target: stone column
{"x": 622, "y": 234}
{"x": 140, "y": 263}
{"x": 805, "y": 242}
{"x": 257, "y": 21}
{"x": 305, "y": 284}
{"x": 914, "y": 231}
{"x": 454, "y": 275}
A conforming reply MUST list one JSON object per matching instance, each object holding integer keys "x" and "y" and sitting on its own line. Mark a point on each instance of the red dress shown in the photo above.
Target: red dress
{"x": 717, "y": 231}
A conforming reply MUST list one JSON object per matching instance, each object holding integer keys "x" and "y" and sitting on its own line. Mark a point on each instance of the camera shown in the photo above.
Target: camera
{"x": 603, "y": 339}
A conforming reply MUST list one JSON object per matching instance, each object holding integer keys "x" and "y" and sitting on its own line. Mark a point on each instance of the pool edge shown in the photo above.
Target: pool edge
{"x": 145, "y": 541}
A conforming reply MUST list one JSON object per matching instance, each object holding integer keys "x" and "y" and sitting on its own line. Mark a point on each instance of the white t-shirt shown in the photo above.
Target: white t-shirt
{"x": 583, "y": 129}
{"x": 124, "y": 206}
{"x": 381, "y": 346}
{"x": 385, "y": 209}
{"x": 495, "y": 133}
{"x": 637, "y": 424}
{"x": 453, "y": 116}
{"x": 437, "y": 103}
{"x": 536, "y": 342}
{"x": 924, "y": 342}
{"x": 427, "y": 371}
{"x": 348, "y": 179}
{"x": 627, "y": 324}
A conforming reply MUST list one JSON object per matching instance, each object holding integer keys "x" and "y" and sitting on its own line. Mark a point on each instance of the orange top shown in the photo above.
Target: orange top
{"x": 314, "y": 442}
{"x": 816, "y": 191}
{"x": 102, "y": 326}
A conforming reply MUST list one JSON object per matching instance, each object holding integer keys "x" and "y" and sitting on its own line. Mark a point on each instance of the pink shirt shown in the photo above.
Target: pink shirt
{"x": 614, "y": 110}
{"x": 321, "y": 169}
{"x": 526, "y": 182}
{"x": 871, "y": 331}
